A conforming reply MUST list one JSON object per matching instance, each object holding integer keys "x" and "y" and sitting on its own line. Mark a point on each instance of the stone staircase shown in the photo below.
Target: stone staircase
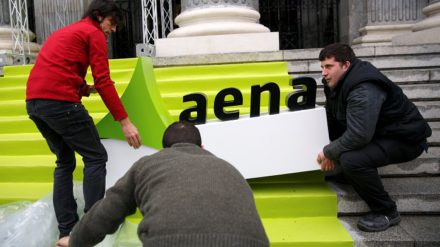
{"x": 413, "y": 185}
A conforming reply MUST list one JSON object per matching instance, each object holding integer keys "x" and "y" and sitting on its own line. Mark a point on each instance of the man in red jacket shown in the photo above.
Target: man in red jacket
{"x": 53, "y": 101}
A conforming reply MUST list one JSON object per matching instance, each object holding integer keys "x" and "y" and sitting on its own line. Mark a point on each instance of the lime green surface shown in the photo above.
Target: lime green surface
{"x": 25, "y": 159}
{"x": 296, "y": 209}
{"x": 144, "y": 106}
{"x": 174, "y": 82}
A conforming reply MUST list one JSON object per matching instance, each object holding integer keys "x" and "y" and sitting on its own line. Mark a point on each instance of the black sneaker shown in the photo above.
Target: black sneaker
{"x": 375, "y": 222}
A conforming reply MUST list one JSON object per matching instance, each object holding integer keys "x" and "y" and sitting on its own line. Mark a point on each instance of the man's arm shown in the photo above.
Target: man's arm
{"x": 107, "y": 214}
{"x": 363, "y": 108}
{"x": 106, "y": 89}
{"x": 131, "y": 133}
{"x": 101, "y": 74}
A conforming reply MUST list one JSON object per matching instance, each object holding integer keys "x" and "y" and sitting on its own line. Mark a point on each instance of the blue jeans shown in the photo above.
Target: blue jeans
{"x": 68, "y": 128}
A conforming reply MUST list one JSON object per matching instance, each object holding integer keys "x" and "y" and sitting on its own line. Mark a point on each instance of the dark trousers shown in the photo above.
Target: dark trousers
{"x": 68, "y": 128}
{"x": 360, "y": 169}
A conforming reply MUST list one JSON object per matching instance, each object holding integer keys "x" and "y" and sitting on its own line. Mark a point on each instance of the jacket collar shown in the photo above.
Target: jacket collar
{"x": 93, "y": 22}
{"x": 334, "y": 91}
{"x": 189, "y": 148}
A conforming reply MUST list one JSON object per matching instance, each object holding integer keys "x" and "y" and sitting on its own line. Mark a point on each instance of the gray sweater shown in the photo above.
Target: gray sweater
{"x": 187, "y": 196}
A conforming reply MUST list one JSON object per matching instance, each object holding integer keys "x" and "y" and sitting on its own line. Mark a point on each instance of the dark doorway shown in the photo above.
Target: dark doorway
{"x": 125, "y": 39}
{"x": 302, "y": 23}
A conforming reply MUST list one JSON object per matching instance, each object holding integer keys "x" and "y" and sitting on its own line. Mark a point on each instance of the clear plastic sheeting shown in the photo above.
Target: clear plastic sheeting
{"x": 33, "y": 224}
{"x": 28, "y": 224}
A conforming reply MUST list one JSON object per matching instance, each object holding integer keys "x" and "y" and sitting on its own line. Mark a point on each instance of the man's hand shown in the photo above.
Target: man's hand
{"x": 91, "y": 89}
{"x": 325, "y": 163}
{"x": 63, "y": 242}
{"x": 131, "y": 133}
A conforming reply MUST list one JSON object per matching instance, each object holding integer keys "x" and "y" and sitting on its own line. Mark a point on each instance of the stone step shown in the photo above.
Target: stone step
{"x": 434, "y": 140}
{"x": 366, "y": 51}
{"x": 384, "y": 58}
{"x": 412, "y": 195}
{"x": 408, "y": 76}
{"x": 421, "y": 61}
{"x": 428, "y": 164}
{"x": 415, "y": 92}
{"x": 413, "y": 230}
{"x": 302, "y": 56}
{"x": 430, "y": 110}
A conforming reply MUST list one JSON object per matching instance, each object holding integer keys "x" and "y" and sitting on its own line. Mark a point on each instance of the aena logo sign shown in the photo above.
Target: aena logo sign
{"x": 300, "y": 99}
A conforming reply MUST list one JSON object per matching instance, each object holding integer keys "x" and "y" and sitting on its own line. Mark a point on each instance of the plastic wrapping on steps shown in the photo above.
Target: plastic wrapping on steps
{"x": 24, "y": 223}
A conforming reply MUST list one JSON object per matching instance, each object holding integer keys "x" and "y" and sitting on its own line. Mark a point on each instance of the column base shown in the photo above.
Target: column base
{"x": 380, "y": 35}
{"x": 7, "y": 58}
{"x": 217, "y": 44}
{"x": 428, "y": 36}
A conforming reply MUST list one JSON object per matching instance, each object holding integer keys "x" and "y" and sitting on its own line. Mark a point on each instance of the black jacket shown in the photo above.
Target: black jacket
{"x": 364, "y": 105}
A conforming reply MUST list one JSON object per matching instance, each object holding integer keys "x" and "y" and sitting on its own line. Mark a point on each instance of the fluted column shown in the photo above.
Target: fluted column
{"x": 212, "y": 17}
{"x": 426, "y": 31}
{"x": 389, "y": 18}
{"x": 4, "y": 12}
{"x": 217, "y": 26}
{"x": 55, "y": 14}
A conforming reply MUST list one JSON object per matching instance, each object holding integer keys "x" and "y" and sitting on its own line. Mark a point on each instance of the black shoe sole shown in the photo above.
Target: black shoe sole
{"x": 393, "y": 222}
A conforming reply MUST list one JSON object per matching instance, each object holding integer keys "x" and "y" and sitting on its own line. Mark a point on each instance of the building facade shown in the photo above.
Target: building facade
{"x": 300, "y": 23}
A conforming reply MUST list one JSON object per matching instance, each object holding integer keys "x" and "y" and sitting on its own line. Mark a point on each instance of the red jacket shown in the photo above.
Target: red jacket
{"x": 62, "y": 64}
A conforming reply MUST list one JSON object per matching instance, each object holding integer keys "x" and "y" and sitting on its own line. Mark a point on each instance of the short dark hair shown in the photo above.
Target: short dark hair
{"x": 181, "y": 132}
{"x": 341, "y": 53}
{"x": 104, "y": 8}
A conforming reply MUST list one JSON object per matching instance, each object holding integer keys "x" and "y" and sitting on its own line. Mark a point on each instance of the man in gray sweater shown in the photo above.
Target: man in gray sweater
{"x": 187, "y": 196}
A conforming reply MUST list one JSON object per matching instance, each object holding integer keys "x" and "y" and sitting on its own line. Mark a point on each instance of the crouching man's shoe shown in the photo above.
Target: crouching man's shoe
{"x": 374, "y": 222}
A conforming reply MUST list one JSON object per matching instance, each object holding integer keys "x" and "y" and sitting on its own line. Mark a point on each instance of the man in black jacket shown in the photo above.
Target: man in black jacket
{"x": 371, "y": 124}
{"x": 187, "y": 196}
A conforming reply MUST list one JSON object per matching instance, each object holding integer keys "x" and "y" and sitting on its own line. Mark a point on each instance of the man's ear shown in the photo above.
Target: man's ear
{"x": 346, "y": 65}
{"x": 100, "y": 18}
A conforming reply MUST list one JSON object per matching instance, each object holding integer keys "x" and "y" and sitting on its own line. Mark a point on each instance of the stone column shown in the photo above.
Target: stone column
{"x": 52, "y": 15}
{"x": 6, "y": 43}
{"x": 354, "y": 18}
{"x": 426, "y": 31}
{"x": 212, "y": 17}
{"x": 389, "y": 18}
{"x": 5, "y": 40}
{"x": 217, "y": 26}
{"x": 4, "y": 12}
